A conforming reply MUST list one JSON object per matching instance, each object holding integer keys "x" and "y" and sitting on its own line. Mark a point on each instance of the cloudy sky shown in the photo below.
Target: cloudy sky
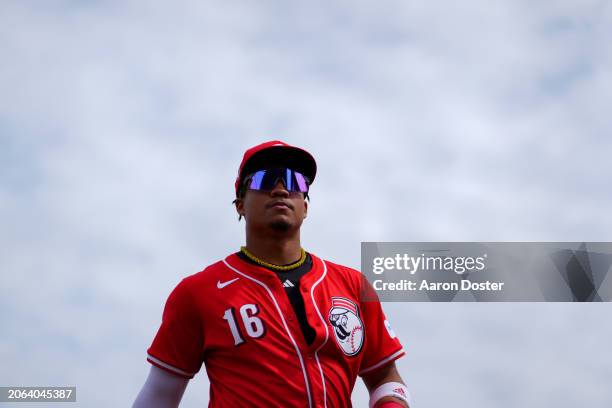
{"x": 122, "y": 124}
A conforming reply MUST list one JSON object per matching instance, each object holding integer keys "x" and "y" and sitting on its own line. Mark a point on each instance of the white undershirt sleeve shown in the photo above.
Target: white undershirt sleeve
{"x": 161, "y": 390}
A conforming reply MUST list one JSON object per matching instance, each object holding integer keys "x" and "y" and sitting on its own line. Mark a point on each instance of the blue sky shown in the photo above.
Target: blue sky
{"x": 122, "y": 125}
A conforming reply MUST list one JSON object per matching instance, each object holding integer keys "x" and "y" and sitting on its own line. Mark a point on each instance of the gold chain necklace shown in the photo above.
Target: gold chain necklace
{"x": 258, "y": 261}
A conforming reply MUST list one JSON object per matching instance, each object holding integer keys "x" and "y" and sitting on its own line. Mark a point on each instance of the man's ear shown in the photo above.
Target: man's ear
{"x": 305, "y": 208}
{"x": 239, "y": 203}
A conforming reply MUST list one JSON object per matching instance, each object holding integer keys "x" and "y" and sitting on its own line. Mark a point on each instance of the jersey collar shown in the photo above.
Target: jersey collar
{"x": 264, "y": 273}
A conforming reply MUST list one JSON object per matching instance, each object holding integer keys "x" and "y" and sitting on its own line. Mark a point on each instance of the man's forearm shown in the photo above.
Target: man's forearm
{"x": 386, "y": 385}
{"x": 161, "y": 390}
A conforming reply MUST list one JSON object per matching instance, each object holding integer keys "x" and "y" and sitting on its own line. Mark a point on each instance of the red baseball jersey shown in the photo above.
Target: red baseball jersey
{"x": 236, "y": 318}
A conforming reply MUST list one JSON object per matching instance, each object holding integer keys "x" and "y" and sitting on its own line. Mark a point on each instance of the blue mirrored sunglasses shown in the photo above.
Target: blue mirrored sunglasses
{"x": 265, "y": 180}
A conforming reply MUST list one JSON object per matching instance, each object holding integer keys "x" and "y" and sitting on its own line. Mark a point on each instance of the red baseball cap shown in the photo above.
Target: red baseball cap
{"x": 276, "y": 153}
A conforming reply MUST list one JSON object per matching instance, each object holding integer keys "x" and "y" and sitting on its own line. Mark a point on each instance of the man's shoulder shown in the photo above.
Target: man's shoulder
{"x": 336, "y": 266}
{"x": 209, "y": 274}
{"x": 336, "y": 269}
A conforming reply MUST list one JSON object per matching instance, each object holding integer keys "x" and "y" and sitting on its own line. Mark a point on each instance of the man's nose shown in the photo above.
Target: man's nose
{"x": 279, "y": 189}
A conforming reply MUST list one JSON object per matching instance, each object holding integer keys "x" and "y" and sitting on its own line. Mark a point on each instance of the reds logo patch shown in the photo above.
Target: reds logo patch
{"x": 348, "y": 327}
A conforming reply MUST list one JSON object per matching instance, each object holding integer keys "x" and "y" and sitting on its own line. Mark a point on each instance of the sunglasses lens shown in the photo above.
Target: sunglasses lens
{"x": 301, "y": 182}
{"x": 265, "y": 180}
{"x": 257, "y": 180}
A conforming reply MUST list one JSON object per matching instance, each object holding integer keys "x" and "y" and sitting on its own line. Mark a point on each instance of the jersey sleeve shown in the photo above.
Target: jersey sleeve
{"x": 178, "y": 344}
{"x": 381, "y": 344}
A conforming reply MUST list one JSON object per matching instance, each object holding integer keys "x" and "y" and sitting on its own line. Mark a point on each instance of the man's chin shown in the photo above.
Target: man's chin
{"x": 280, "y": 225}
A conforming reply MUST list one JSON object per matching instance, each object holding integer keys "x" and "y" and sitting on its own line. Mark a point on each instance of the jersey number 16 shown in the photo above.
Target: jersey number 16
{"x": 252, "y": 324}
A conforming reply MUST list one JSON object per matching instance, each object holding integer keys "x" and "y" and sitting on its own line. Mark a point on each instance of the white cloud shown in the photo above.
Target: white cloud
{"x": 123, "y": 124}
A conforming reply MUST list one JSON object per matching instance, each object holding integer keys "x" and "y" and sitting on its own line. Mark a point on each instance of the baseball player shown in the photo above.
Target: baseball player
{"x": 274, "y": 325}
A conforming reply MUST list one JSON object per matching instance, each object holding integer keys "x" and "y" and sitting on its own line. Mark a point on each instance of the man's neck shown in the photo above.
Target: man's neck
{"x": 276, "y": 251}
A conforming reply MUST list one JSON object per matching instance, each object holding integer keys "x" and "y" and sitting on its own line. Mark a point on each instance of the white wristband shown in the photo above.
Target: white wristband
{"x": 390, "y": 389}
